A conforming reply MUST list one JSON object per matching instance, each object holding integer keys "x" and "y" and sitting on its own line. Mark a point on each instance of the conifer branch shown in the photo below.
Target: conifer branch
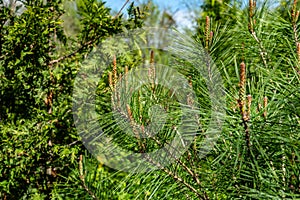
{"x": 82, "y": 178}
{"x": 251, "y": 28}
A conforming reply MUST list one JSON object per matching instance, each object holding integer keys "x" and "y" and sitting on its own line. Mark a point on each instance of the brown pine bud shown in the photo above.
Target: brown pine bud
{"x": 242, "y": 83}
{"x": 151, "y": 71}
{"x": 115, "y": 78}
{"x": 207, "y": 32}
{"x": 242, "y": 86}
{"x": 259, "y": 107}
{"x": 298, "y": 52}
{"x": 265, "y": 106}
{"x": 80, "y": 167}
{"x": 129, "y": 113}
{"x": 110, "y": 80}
{"x": 249, "y": 105}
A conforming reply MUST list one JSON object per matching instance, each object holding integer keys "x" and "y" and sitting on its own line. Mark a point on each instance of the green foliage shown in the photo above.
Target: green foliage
{"x": 257, "y": 51}
{"x": 257, "y": 153}
{"x": 38, "y": 64}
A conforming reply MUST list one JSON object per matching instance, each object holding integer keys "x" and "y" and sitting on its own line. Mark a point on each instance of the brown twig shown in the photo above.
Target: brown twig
{"x": 118, "y": 14}
{"x": 73, "y": 53}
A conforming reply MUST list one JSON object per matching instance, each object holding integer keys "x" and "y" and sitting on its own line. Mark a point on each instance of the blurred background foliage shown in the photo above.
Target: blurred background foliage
{"x": 254, "y": 45}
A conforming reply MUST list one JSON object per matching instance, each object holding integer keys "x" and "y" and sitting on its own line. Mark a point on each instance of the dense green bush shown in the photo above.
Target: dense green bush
{"x": 38, "y": 64}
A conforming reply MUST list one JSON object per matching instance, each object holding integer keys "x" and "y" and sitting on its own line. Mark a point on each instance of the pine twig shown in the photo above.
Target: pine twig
{"x": 242, "y": 104}
{"x": 118, "y": 14}
{"x": 252, "y": 22}
{"x": 82, "y": 178}
{"x": 73, "y": 53}
{"x": 178, "y": 178}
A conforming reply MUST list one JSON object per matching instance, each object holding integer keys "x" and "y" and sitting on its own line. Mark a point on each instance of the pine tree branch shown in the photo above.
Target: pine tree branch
{"x": 252, "y": 22}
{"x": 178, "y": 178}
{"x": 143, "y": 148}
{"x": 82, "y": 178}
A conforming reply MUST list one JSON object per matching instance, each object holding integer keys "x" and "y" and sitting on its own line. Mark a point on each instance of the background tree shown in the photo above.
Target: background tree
{"x": 221, "y": 13}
